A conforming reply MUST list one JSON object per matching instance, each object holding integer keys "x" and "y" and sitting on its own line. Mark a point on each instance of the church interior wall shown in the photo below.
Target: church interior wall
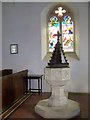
{"x": 21, "y": 24}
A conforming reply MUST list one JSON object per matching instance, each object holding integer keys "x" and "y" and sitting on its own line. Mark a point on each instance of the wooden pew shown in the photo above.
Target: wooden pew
{"x": 14, "y": 86}
{"x": 3, "y": 73}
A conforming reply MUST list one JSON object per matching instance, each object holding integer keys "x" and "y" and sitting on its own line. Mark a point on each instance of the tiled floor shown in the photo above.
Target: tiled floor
{"x": 26, "y": 110}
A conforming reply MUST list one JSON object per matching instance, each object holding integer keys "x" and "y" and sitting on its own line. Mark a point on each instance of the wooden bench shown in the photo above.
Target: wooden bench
{"x": 14, "y": 86}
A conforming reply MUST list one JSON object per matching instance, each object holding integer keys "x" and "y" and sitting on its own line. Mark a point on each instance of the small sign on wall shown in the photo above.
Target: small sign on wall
{"x": 14, "y": 48}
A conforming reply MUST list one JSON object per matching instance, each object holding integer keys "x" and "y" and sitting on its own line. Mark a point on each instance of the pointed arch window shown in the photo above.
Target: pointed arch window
{"x": 61, "y": 19}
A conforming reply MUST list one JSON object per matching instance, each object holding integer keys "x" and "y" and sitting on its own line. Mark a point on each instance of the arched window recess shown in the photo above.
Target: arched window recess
{"x": 67, "y": 22}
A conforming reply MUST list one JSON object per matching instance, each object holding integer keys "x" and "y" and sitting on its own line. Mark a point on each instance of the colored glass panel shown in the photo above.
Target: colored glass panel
{"x": 53, "y": 27}
{"x": 68, "y": 34}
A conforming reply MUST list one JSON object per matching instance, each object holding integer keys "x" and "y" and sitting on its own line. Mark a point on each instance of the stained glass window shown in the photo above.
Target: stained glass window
{"x": 53, "y": 26}
{"x": 67, "y": 34}
{"x": 65, "y": 25}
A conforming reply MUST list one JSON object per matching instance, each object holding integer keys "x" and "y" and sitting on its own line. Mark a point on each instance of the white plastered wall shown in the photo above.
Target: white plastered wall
{"x": 22, "y": 25}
